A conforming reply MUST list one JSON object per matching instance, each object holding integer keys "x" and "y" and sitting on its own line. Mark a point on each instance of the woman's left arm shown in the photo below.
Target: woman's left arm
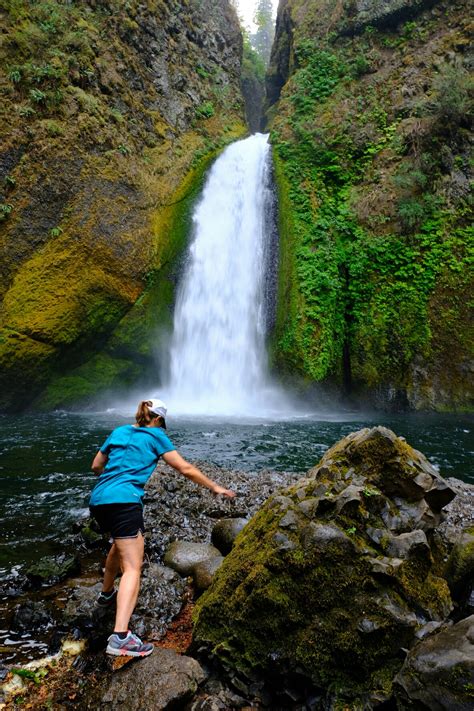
{"x": 99, "y": 462}
{"x": 175, "y": 460}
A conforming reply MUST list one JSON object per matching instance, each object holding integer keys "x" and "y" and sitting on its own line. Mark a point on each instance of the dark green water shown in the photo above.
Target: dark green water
{"x": 45, "y": 476}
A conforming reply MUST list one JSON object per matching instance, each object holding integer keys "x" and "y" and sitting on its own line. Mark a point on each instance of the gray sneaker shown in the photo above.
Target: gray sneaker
{"x": 131, "y": 646}
{"x": 107, "y": 599}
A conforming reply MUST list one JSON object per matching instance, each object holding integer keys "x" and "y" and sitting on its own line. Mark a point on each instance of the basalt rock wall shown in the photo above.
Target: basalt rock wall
{"x": 110, "y": 112}
{"x": 369, "y": 107}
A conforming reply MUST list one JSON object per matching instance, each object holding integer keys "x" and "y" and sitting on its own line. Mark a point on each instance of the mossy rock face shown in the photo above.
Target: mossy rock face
{"x": 369, "y": 100}
{"x": 105, "y": 142}
{"x": 334, "y": 576}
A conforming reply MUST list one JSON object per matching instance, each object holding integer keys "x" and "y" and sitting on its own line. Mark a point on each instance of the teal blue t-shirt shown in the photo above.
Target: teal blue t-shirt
{"x": 133, "y": 453}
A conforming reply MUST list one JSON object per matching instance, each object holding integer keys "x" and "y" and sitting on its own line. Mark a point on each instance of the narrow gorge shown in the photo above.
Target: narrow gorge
{"x": 113, "y": 113}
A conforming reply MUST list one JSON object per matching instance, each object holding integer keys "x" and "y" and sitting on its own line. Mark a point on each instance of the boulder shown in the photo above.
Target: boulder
{"x": 163, "y": 680}
{"x": 438, "y": 673}
{"x": 332, "y": 579}
{"x": 162, "y": 593}
{"x": 52, "y": 569}
{"x": 203, "y": 573}
{"x": 225, "y": 532}
{"x": 31, "y": 615}
{"x": 182, "y": 556}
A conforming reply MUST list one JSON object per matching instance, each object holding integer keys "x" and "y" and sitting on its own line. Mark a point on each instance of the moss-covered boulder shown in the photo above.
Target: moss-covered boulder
{"x": 333, "y": 578}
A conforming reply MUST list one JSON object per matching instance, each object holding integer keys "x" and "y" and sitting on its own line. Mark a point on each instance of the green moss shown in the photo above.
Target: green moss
{"x": 371, "y": 246}
{"x": 22, "y": 355}
{"x": 50, "y": 304}
{"x": 92, "y": 224}
{"x": 130, "y": 353}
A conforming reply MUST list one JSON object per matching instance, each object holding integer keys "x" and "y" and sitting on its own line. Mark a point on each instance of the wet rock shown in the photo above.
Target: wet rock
{"x": 161, "y": 596}
{"x": 182, "y": 556}
{"x": 225, "y": 532}
{"x": 31, "y": 615}
{"x": 83, "y": 615}
{"x": 52, "y": 569}
{"x": 438, "y": 673}
{"x": 163, "y": 680}
{"x": 203, "y": 573}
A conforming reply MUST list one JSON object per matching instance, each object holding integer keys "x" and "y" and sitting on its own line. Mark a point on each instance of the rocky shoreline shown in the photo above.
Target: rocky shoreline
{"x": 177, "y": 511}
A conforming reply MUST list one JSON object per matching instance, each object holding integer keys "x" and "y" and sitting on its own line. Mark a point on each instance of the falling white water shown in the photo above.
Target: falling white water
{"x": 217, "y": 357}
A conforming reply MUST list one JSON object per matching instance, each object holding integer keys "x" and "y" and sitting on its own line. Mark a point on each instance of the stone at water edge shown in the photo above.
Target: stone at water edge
{"x": 334, "y": 576}
{"x": 52, "y": 569}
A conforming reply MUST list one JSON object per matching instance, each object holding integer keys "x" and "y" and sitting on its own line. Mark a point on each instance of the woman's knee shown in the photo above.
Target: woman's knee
{"x": 131, "y": 553}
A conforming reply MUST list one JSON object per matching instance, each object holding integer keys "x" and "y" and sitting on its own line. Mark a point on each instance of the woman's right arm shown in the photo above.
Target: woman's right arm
{"x": 175, "y": 460}
{"x": 99, "y": 462}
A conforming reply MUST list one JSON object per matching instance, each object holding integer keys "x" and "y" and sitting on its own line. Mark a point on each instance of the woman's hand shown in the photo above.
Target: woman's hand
{"x": 225, "y": 492}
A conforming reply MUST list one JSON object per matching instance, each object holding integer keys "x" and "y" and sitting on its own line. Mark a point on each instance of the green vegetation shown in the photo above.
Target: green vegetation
{"x": 5, "y": 210}
{"x": 205, "y": 110}
{"x": 36, "y": 675}
{"x": 371, "y": 234}
{"x": 252, "y": 64}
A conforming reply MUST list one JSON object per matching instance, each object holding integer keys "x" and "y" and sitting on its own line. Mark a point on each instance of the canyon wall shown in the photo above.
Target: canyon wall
{"x": 369, "y": 113}
{"x": 110, "y": 113}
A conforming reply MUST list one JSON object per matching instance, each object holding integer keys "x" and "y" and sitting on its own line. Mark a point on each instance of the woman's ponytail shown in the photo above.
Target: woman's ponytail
{"x": 144, "y": 416}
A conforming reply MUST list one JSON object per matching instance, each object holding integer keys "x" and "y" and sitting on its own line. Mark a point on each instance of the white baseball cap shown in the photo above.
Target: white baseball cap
{"x": 157, "y": 407}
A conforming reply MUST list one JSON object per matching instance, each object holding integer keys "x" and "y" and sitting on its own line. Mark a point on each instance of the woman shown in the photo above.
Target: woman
{"x": 124, "y": 463}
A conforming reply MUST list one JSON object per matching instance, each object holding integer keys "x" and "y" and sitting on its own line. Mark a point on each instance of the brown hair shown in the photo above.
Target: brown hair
{"x": 144, "y": 415}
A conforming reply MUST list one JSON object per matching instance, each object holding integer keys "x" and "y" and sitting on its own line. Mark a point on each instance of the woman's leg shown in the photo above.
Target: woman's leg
{"x": 130, "y": 551}
{"x": 112, "y": 569}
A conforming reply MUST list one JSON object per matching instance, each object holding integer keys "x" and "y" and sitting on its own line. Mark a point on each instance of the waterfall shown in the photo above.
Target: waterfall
{"x": 218, "y": 363}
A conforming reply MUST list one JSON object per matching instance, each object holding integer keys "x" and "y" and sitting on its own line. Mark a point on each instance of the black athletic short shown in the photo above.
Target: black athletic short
{"x": 120, "y": 520}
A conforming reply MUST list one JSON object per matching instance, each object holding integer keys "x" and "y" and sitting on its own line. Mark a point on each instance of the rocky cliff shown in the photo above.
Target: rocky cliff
{"x": 110, "y": 112}
{"x": 370, "y": 127}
